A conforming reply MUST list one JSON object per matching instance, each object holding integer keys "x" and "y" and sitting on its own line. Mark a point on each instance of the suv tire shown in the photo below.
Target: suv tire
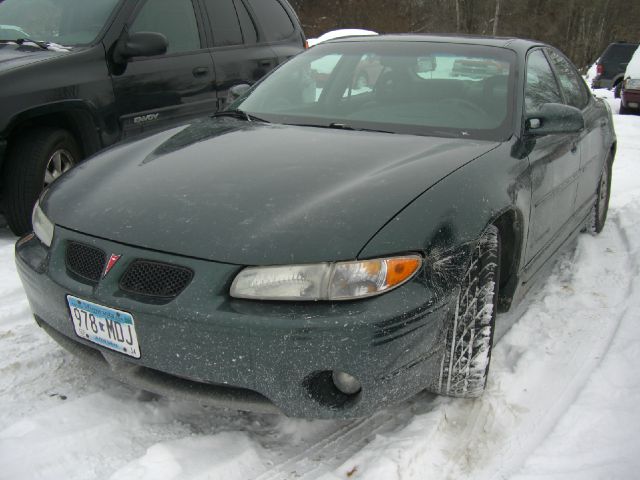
{"x": 35, "y": 159}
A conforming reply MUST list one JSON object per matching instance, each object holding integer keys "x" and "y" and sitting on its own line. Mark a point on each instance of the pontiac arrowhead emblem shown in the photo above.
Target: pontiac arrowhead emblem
{"x": 111, "y": 263}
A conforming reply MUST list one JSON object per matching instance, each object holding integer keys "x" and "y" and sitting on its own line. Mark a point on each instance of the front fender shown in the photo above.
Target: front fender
{"x": 454, "y": 212}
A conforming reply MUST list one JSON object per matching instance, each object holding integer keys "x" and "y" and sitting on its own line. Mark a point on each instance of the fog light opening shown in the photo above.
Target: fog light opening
{"x": 347, "y": 384}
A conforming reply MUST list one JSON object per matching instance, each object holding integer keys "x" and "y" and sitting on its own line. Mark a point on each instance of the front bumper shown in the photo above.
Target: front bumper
{"x": 258, "y": 356}
{"x": 631, "y": 99}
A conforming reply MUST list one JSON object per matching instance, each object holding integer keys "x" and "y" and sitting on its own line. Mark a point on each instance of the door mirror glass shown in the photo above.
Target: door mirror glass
{"x": 554, "y": 118}
{"x": 142, "y": 44}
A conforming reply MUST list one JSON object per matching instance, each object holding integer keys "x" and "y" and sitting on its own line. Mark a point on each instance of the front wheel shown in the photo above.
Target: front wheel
{"x": 469, "y": 338}
{"x": 35, "y": 159}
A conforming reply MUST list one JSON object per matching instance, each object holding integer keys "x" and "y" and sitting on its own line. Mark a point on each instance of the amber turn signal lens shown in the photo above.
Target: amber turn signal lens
{"x": 400, "y": 269}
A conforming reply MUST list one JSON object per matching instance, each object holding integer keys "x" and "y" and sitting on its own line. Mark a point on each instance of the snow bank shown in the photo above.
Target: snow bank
{"x": 561, "y": 404}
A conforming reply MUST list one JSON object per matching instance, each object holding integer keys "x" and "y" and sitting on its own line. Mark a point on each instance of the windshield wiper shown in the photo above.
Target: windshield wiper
{"x": 42, "y": 45}
{"x": 241, "y": 114}
{"x": 341, "y": 126}
{"x": 344, "y": 126}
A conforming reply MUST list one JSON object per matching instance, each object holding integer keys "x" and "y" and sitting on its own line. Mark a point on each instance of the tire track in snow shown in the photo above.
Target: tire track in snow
{"x": 327, "y": 454}
{"x": 538, "y": 370}
{"x": 503, "y": 428}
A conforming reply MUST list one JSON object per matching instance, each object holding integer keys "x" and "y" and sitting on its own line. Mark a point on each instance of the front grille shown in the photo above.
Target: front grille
{"x": 155, "y": 279}
{"x": 85, "y": 261}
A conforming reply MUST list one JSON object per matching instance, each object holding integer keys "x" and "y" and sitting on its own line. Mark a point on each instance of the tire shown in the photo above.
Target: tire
{"x": 616, "y": 89}
{"x": 34, "y": 160}
{"x": 469, "y": 338}
{"x": 601, "y": 206}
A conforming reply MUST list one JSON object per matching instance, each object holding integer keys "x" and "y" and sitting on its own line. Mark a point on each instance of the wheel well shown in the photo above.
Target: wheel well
{"x": 77, "y": 122}
{"x": 510, "y": 228}
{"x": 613, "y": 150}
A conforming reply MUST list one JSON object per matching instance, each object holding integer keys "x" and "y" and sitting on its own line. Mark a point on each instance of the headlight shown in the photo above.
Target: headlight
{"x": 42, "y": 226}
{"x": 632, "y": 84}
{"x": 325, "y": 281}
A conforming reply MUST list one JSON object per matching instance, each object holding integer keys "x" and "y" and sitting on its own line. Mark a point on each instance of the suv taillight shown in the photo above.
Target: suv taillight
{"x": 599, "y": 69}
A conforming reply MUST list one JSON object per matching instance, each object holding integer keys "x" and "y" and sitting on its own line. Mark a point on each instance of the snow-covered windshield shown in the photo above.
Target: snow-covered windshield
{"x": 417, "y": 88}
{"x": 64, "y": 22}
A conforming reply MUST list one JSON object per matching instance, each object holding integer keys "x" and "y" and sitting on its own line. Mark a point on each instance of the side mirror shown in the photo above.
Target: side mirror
{"x": 554, "y": 118}
{"x": 141, "y": 44}
{"x": 237, "y": 91}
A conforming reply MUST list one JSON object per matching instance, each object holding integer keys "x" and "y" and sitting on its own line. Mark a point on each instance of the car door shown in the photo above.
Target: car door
{"x": 554, "y": 164}
{"x": 592, "y": 138}
{"x": 239, "y": 55}
{"x": 154, "y": 92}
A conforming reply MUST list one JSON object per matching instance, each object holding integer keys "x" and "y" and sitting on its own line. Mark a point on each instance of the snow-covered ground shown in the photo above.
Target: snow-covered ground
{"x": 562, "y": 402}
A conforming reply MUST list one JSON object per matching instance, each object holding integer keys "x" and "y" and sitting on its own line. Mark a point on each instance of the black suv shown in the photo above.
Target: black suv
{"x": 77, "y": 76}
{"x": 612, "y": 64}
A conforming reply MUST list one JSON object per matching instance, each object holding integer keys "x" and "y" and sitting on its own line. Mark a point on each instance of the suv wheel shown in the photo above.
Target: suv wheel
{"x": 617, "y": 88}
{"x": 35, "y": 159}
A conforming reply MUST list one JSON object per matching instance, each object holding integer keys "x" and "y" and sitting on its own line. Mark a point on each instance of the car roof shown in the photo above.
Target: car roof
{"x": 513, "y": 43}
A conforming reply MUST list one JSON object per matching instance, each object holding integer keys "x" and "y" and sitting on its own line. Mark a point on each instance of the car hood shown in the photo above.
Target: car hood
{"x": 250, "y": 193}
{"x": 13, "y": 56}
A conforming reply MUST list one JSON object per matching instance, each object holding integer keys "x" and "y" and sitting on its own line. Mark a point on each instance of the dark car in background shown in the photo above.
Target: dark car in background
{"x": 612, "y": 64}
{"x": 323, "y": 250}
{"x": 77, "y": 76}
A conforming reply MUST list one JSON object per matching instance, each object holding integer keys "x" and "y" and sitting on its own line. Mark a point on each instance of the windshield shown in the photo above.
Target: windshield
{"x": 64, "y": 22}
{"x": 419, "y": 88}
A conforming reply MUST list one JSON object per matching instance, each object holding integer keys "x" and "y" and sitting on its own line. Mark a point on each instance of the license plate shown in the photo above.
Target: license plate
{"x": 104, "y": 326}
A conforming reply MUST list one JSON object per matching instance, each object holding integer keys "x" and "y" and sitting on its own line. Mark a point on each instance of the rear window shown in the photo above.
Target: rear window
{"x": 618, "y": 53}
{"x": 273, "y": 18}
{"x": 224, "y": 21}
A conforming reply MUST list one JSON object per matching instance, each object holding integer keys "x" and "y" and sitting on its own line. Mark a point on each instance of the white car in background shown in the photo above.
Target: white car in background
{"x": 630, "y": 92}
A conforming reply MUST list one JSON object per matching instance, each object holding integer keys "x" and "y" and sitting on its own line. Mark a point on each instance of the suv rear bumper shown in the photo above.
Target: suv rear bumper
{"x": 602, "y": 82}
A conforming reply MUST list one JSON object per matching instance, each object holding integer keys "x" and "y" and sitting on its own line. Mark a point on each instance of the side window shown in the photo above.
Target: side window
{"x": 571, "y": 83}
{"x": 248, "y": 28}
{"x": 273, "y": 18}
{"x": 541, "y": 86}
{"x": 224, "y": 22}
{"x": 175, "y": 19}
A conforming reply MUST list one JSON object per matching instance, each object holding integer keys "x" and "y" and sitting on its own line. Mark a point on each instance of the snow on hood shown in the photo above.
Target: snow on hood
{"x": 345, "y": 32}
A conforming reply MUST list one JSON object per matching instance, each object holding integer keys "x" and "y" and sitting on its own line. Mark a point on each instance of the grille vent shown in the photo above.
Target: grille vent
{"x": 85, "y": 261}
{"x": 155, "y": 279}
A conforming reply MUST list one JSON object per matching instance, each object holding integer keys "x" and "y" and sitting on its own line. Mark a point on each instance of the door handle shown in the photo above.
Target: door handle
{"x": 574, "y": 148}
{"x": 200, "y": 71}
